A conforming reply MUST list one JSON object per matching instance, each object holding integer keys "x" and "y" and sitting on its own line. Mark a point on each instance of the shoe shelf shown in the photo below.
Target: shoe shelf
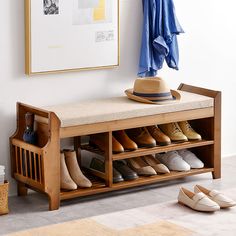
{"x": 41, "y": 168}
{"x": 148, "y": 151}
{"x": 99, "y": 186}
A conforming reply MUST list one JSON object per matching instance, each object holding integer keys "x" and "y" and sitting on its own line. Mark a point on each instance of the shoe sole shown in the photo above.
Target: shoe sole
{"x": 163, "y": 144}
{"x": 147, "y": 146}
{"x": 183, "y": 204}
{"x": 130, "y": 178}
{"x": 179, "y": 141}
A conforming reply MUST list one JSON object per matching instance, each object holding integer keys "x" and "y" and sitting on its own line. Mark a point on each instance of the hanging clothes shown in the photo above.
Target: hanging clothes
{"x": 159, "y": 38}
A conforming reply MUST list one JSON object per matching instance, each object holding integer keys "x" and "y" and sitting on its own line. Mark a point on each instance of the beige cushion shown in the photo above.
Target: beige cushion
{"x": 118, "y": 108}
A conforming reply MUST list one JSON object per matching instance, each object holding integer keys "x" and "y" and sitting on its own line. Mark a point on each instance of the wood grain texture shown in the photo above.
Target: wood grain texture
{"x": 101, "y": 187}
{"x": 206, "y": 121}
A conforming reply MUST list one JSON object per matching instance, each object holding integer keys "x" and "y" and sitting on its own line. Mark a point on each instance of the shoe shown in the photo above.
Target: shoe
{"x": 173, "y": 161}
{"x": 188, "y": 131}
{"x": 173, "y": 131}
{"x": 97, "y": 140}
{"x": 197, "y": 201}
{"x": 140, "y": 167}
{"x": 66, "y": 181}
{"x": 158, "y": 135}
{"x": 222, "y": 200}
{"x": 126, "y": 172}
{"x": 155, "y": 164}
{"x": 125, "y": 141}
{"x": 141, "y": 137}
{"x": 75, "y": 171}
{"x": 191, "y": 159}
{"x": 99, "y": 165}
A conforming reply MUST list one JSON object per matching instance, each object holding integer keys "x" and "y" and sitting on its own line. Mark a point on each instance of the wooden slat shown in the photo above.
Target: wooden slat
{"x": 159, "y": 149}
{"x": 108, "y": 159}
{"x": 101, "y": 188}
{"x": 35, "y": 167}
{"x": 38, "y": 157}
{"x": 96, "y": 173}
{"x": 148, "y": 151}
{"x": 136, "y": 122}
{"x": 21, "y": 162}
{"x": 26, "y": 162}
{"x": 30, "y": 162}
{"x": 29, "y": 181}
{"x": 159, "y": 178}
{"x": 26, "y": 146}
{"x": 16, "y": 159}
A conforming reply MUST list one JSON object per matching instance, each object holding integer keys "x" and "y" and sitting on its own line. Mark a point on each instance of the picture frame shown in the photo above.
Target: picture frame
{"x": 71, "y": 35}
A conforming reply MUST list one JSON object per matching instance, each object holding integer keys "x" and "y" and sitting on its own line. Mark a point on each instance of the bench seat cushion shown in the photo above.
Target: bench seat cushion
{"x": 118, "y": 108}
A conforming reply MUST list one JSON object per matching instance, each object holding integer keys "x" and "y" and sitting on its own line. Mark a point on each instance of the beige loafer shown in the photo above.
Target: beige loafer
{"x": 197, "y": 201}
{"x": 140, "y": 166}
{"x": 222, "y": 200}
{"x": 156, "y": 164}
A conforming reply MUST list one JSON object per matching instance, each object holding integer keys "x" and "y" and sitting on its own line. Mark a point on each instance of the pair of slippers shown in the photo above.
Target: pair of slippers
{"x": 203, "y": 199}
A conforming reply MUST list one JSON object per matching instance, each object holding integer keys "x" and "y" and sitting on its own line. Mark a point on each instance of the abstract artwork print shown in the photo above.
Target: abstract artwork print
{"x": 51, "y": 7}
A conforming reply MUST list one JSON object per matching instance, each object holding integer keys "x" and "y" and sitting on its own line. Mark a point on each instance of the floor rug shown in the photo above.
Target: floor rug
{"x": 90, "y": 227}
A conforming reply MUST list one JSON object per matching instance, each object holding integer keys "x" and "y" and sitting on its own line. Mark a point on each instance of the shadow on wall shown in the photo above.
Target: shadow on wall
{"x": 16, "y": 30}
{"x": 6, "y": 121}
{"x": 130, "y": 43}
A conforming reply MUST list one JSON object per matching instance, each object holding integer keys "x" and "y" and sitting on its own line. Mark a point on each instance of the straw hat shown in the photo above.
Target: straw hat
{"x": 152, "y": 90}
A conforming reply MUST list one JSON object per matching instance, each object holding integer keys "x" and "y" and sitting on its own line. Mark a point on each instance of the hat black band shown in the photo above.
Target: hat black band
{"x": 168, "y": 94}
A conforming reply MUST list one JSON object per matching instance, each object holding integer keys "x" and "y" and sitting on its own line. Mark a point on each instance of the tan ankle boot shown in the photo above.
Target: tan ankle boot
{"x": 74, "y": 170}
{"x": 66, "y": 182}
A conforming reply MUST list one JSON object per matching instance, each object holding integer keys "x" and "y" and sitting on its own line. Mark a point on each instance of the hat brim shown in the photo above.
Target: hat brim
{"x": 176, "y": 97}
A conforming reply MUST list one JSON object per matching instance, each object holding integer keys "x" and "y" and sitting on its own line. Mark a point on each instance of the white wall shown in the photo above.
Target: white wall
{"x": 206, "y": 59}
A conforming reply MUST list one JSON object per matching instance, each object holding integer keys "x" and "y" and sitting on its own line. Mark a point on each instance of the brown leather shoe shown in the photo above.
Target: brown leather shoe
{"x": 98, "y": 141}
{"x": 142, "y": 137}
{"x": 158, "y": 135}
{"x": 125, "y": 141}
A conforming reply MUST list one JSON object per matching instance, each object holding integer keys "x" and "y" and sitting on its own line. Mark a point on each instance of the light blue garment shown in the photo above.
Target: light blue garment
{"x": 159, "y": 38}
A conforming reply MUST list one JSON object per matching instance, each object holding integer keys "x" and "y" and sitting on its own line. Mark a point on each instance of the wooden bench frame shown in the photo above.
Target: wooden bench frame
{"x": 42, "y": 163}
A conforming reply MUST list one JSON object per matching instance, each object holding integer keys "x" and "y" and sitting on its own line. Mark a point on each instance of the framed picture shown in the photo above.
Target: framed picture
{"x": 71, "y": 35}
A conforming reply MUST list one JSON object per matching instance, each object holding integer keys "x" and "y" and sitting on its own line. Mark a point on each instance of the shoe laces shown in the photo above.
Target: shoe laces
{"x": 155, "y": 130}
{"x": 176, "y": 128}
{"x": 188, "y": 126}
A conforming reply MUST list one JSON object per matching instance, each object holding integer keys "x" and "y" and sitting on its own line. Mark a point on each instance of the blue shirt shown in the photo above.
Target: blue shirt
{"x": 159, "y": 38}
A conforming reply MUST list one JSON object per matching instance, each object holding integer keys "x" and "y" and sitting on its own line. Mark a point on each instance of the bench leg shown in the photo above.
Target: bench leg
{"x": 21, "y": 189}
{"x": 216, "y": 174}
{"x": 54, "y": 201}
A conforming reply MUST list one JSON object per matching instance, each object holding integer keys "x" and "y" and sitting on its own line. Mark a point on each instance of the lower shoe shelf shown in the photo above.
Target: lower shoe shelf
{"x": 100, "y": 187}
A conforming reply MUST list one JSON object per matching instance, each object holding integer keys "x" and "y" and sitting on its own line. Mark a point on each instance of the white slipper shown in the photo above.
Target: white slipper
{"x": 173, "y": 161}
{"x": 191, "y": 159}
{"x": 197, "y": 201}
{"x": 222, "y": 200}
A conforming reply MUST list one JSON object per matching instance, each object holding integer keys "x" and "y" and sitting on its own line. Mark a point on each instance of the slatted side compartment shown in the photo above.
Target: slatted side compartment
{"x": 28, "y": 162}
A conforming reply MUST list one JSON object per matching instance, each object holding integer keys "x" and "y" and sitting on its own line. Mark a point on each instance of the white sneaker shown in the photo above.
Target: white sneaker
{"x": 222, "y": 200}
{"x": 173, "y": 161}
{"x": 191, "y": 159}
{"x": 197, "y": 201}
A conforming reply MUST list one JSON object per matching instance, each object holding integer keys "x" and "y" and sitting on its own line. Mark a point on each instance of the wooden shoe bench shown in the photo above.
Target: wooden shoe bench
{"x": 202, "y": 107}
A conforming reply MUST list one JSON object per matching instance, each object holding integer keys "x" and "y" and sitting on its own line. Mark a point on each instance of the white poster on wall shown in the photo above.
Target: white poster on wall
{"x": 71, "y": 35}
